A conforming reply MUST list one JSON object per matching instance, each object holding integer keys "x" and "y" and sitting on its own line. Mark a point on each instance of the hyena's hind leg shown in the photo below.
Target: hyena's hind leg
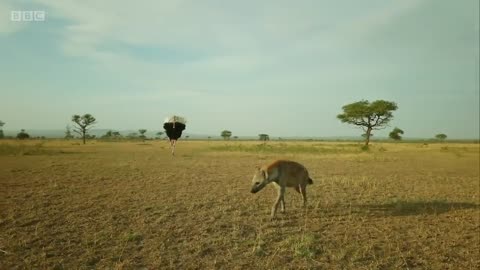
{"x": 303, "y": 191}
{"x": 282, "y": 200}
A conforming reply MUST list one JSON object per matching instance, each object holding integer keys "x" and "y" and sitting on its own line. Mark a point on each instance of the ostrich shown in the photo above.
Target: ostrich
{"x": 174, "y": 125}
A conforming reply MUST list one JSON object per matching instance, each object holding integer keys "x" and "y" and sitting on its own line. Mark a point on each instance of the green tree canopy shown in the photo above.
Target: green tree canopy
{"x": 116, "y": 134}
{"x": 395, "y": 134}
{"x": 142, "y": 134}
{"x": 441, "y": 137}
{"x": 368, "y": 116}
{"x": 108, "y": 134}
{"x": 1, "y": 130}
{"x": 111, "y": 135}
{"x": 263, "y": 137}
{"x": 83, "y": 124}
{"x": 226, "y": 134}
{"x": 22, "y": 135}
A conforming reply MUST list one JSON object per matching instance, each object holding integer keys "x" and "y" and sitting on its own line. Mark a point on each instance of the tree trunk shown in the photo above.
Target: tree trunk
{"x": 84, "y": 136}
{"x": 367, "y": 138}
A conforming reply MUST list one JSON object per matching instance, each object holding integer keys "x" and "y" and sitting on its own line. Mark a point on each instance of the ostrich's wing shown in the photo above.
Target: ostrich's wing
{"x": 175, "y": 118}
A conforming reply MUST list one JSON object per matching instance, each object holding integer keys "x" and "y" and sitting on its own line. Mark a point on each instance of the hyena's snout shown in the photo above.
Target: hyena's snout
{"x": 255, "y": 187}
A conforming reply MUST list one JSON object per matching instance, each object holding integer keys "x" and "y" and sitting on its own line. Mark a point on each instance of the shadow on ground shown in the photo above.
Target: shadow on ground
{"x": 407, "y": 208}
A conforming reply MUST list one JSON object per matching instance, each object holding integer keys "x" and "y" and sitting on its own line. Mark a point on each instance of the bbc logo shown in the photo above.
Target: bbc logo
{"x": 27, "y": 15}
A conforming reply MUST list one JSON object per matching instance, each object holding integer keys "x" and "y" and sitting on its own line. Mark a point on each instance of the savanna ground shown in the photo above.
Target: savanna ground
{"x": 131, "y": 205}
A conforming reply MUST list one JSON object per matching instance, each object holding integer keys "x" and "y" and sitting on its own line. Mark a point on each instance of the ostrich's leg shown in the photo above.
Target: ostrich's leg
{"x": 174, "y": 142}
{"x": 171, "y": 146}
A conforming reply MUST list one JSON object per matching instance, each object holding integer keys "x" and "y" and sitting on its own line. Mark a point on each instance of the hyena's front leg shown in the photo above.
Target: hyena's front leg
{"x": 282, "y": 200}
{"x": 281, "y": 192}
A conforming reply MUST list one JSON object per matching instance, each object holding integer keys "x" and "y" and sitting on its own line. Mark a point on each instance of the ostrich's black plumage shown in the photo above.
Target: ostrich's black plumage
{"x": 174, "y": 132}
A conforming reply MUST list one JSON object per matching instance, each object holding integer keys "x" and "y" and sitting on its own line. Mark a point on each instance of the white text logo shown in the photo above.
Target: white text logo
{"x": 27, "y": 15}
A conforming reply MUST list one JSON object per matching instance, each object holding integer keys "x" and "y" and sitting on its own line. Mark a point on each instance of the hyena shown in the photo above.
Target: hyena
{"x": 283, "y": 173}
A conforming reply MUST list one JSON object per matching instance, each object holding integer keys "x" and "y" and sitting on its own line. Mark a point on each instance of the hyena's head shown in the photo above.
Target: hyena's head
{"x": 260, "y": 180}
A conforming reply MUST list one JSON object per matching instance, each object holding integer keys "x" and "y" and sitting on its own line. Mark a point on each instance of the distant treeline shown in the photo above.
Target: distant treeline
{"x": 252, "y": 139}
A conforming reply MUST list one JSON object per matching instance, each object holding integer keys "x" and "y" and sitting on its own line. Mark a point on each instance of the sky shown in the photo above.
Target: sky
{"x": 284, "y": 68}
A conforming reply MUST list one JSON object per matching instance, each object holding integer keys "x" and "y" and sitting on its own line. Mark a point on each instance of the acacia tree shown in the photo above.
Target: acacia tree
{"x": 263, "y": 137}
{"x": 395, "y": 134}
{"x": 22, "y": 135}
{"x": 111, "y": 135}
{"x": 226, "y": 134}
{"x": 116, "y": 134}
{"x": 368, "y": 116}
{"x": 441, "y": 137}
{"x": 1, "y": 130}
{"x": 83, "y": 124}
{"x": 142, "y": 134}
{"x": 108, "y": 134}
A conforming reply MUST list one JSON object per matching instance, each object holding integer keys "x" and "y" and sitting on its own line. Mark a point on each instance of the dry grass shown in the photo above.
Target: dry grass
{"x": 129, "y": 206}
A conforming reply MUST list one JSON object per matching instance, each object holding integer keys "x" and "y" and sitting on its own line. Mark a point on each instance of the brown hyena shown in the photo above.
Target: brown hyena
{"x": 283, "y": 173}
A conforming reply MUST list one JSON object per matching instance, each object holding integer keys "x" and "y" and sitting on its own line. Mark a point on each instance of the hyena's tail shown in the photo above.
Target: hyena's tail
{"x": 310, "y": 181}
